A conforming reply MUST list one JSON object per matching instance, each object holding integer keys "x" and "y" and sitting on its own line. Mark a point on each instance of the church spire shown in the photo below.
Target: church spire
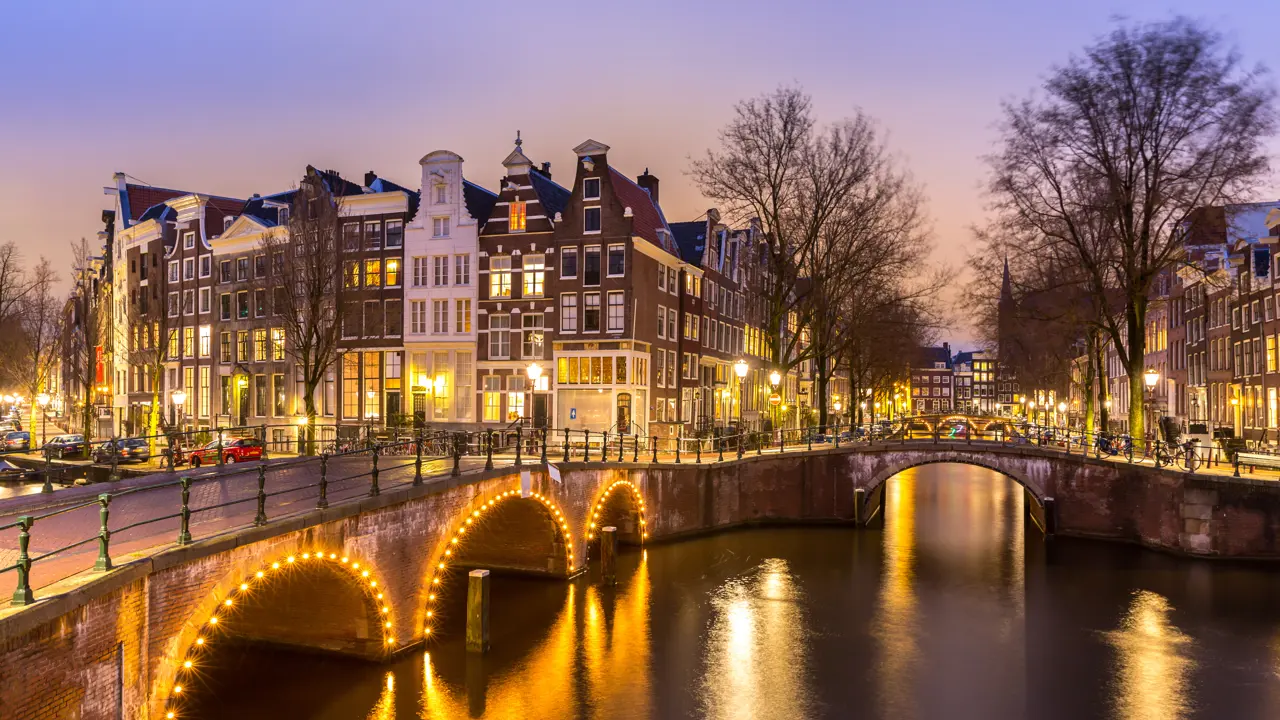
{"x": 1006, "y": 284}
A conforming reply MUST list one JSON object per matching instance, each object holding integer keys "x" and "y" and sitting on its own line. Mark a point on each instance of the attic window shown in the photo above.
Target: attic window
{"x": 283, "y": 214}
{"x": 440, "y": 193}
{"x": 226, "y": 222}
{"x": 591, "y": 189}
{"x": 518, "y": 216}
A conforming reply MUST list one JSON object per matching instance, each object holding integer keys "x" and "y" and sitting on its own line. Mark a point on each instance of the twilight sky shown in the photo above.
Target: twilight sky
{"x": 236, "y": 97}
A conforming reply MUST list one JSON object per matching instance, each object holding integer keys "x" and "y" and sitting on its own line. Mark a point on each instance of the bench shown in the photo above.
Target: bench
{"x": 1255, "y": 460}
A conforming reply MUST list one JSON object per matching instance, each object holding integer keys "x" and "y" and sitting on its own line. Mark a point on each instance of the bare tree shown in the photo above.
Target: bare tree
{"x": 306, "y": 270}
{"x": 1148, "y": 124}
{"x": 40, "y": 320}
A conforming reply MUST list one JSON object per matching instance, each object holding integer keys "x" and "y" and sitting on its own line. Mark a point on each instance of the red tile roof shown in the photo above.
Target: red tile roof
{"x": 142, "y": 197}
{"x": 647, "y": 217}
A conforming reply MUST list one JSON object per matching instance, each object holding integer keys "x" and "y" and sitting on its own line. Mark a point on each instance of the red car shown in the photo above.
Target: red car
{"x": 234, "y": 450}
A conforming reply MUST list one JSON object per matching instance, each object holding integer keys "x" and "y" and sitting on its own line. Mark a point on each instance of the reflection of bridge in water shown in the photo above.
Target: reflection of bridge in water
{"x": 364, "y": 571}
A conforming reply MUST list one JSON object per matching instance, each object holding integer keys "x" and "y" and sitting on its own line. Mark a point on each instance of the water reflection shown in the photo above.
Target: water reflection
{"x": 898, "y": 621}
{"x": 1153, "y": 662}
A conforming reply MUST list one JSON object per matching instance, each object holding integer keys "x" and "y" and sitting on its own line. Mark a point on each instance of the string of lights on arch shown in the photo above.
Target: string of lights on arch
{"x": 562, "y": 528}
{"x": 604, "y": 497}
{"x": 368, "y": 583}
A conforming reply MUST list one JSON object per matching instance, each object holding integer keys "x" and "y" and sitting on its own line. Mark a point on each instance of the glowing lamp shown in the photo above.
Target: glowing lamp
{"x": 1151, "y": 377}
{"x": 43, "y": 399}
{"x": 774, "y": 378}
{"x": 534, "y": 371}
{"x": 179, "y": 397}
{"x": 740, "y": 369}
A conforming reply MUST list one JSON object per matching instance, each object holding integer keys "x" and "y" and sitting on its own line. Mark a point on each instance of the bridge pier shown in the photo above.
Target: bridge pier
{"x": 478, "y": 611}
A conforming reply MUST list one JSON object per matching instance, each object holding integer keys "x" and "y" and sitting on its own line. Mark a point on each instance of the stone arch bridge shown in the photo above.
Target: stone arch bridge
{"x": 373, "y": 572}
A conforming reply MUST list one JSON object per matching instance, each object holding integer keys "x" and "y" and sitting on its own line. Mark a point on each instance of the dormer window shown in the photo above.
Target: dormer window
{"x": 226, "y": 222}
{"x": 188, "y": 240}
{"x": 518, "y": 215}
{"x": 283, "y": 214}
{"x": 440, "y": 194}
{"x": 591, "y": 189}
{"x": 591, "y": 220}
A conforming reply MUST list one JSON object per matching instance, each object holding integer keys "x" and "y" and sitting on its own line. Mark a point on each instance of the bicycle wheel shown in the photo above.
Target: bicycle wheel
{"x": 1192, "y": 460}
{"x": 1128, "y": 451}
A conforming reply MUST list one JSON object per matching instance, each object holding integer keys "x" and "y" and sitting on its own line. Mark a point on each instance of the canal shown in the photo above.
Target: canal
{"x": 956, "y": 609}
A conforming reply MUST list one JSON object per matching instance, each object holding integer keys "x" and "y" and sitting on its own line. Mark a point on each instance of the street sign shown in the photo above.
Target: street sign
{"x": 775, "y": 399}
{"x": 573, "y": 413}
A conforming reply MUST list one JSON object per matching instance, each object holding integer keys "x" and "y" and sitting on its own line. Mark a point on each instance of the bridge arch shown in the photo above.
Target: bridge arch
{"x": 997, "y": 462}
{"x": 247, "y": 595}
{"x": 618, "y": 504}
{"x": 503, "y": 516}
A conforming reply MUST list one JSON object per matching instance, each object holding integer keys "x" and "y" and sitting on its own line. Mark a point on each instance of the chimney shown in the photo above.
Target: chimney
{"x": 369, "y": 177}
{"x": 650, "y": 183}
{"x": 546, "y": 169}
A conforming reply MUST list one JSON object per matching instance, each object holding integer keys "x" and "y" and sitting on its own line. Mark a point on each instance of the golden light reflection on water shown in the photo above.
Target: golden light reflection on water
{"x": 756, "y": 649}
{"x": 616, "y": 645}
{"x": 1153, "y": 662}
{"x": 895, "y": 631}
{"x": 385, "y": 708}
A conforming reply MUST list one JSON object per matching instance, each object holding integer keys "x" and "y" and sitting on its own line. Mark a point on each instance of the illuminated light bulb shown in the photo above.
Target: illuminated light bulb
{"x": 447, "y": 553}
{"x": 429, "y": 613}
{"x": 432, "y": 596}
{"x": 387, "y": 624}
{"x": 344, "y": 558}
{"x": 435, "y": 581}
{"x": 306, "y": 556}
{"x": 475, "y": 513}
{"x": 461, "y": 530}
{"x": 468, "y": 521}
{"x": 259, "y": 574}
{"x": 591, "y": 524}
{"x": 454, "y": 541}
{"x": 227, "y": 602}
{"x": 390, "y": 641}
{"x": 244, "y": 586}
{"x": 177, "y": 688}
{"x": 332, "y": 556}
{"x": 364, "y": 573}
{"x": 170, "y": 716}
{"x": 199, "y": 641}
{"x": 386, "y": 610}
{"x": 373, "y": 583}
{"x": 642, "y": 522}
{"x": 187, "y": 664}
{"x": 355, "y": 565}
{"x": 427, "y": 631}
{"x": 379, "y": 596}
{"x": 275, "y": 566}
{"x": 213, "y": 620}
{"x": 289, "y": 559}
{"x": 441, "y": 566}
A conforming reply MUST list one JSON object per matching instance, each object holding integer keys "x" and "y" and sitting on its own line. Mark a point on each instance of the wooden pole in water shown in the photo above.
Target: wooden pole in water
{"x": 609, "y": 555}
{"x": 478, "y": 611}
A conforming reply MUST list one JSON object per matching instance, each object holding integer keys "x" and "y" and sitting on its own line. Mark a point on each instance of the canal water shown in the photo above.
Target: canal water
{"x": 956, "y": 609}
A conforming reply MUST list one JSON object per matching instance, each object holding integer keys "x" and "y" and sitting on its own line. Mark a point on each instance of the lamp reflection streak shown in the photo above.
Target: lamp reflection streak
{"x": 1153, "y": 663}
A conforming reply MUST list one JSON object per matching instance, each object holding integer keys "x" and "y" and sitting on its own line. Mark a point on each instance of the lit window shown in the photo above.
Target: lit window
{"x": 534, "y": 275}
{"x": 500, "y": 276}
{"x": 518, "y": 215}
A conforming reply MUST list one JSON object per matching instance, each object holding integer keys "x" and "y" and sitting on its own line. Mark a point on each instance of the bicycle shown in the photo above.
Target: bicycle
{"x": 1113, "y": 446}
{"x": 1184, "y": 455}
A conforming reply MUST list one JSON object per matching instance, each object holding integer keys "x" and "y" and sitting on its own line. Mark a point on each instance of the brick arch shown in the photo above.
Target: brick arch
{"x": 451, "y": 548}
{"x": 618, "y": 499}
{"x": 215, "y": 617}
{"x": 1002, "y": 464}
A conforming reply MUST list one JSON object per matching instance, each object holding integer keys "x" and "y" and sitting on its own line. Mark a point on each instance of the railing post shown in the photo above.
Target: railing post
{"x": 782, "y": 440}
{"x": 720, "y": 447}
{"x": 742, "y": 441}
{"x": 837, "y": 434}
{"x": 417, "y": 462}
{"x": 323, "y": 502}
{"x": 622, "y": 438}
{"x": 604, "y": 446}
{"x": 586, "y": 446}
{"x": 173, "y": 451}
{"x": 679, "y": 437}
{"x": 566, "y": 445}
{"x": 265, "y": 445}
{"x": 809, "y": 438}
{"x": 697, "y": 449}
{"x": 115, "y": 459}
{"x": 519, "y": 442}
{"x": 488, "y": 450}
{"x": 48, "y": 474}
{"x": 22, "y": 595}
{"x": 261, "y": 517}
{"x": 374, "y": 491}
{"x": 655, "y": 448}
{"x": 184, "y": 530}
{"x": 220, "y": 458}
{"x": 759, "y": 447}
{"x": 635, "y": 447}
{"x": 104, "y": 535}
{"x": 458, "y": 440}
{"x": 1235, "y": 460}
{"x": 544, "y": 446}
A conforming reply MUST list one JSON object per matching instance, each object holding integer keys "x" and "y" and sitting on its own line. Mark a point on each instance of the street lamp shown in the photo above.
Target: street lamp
{"x": 1149, "y": 379}
{"x": 1062, "y": 414}
{"x": 534, "y": 371}
{"x": 740, "y": 369}
{"x": 43, "y": 400}
{"x": 179, "y": 398}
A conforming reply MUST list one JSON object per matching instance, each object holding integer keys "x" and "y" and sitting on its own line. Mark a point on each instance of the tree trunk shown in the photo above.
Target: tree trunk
{"x": 1135, "y": 367}
{"x": 1090, "y": 375}
{"x": 1100, "y": 360}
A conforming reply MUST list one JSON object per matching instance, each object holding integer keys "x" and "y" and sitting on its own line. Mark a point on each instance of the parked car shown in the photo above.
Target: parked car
{"x": 63, "y": 445}
{"x": 10, "y": 425}
{"x": 17, "y": 440}
{"x": 234, "y": 450}
{"x": 128, "y": 449}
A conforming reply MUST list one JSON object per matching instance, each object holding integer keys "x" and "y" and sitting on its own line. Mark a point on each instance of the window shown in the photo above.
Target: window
{"x": 351, "y": 236}
{"x": 173, "y": 271}
{"x": 439, "y": 317}
{"x": 372, "y": 318}
{"x": 393, "y": 317}
{"x": 462, "y": 315}
{"x": 393, "y": 273}
{"x": 499, "y": 337}
{"x": 591, "y": 188}
{"x": 534, "y": 275}
{"x": 224, "y": 347}
{"x": 569, "y": 263}
{"x": 206, "y": 338}
{"x": 492, "y": 398}
{"x": 440, "y": 270}
{"x": 242, "y": 268}
{"x": 373, "y": 273}
{"x": 242, "y": 346}
{"x": 591, "y": 312}
{"x": 500, "y": 276}
{"x": 373, "y": 235}
{"x": 206, "y": 265}
{"x": 259, "y": 266}
{"x": 417, "y": 316}
{"x": 517, "y": 213}
{"x": 440, "y": 193}
{"x": 205, "y": 295}
{"x": 278, "y": 393}
{"x": 188, "y": 342}
{"x": 351, "y": 274}
{"x": 440, "y": 227}
{"x": 662, "y": 277}
{"x": 463, "y": 373}
{"x": 260, "y": 344}
{"x": 673, "y": 287}
{"x": 461, "y": 269}
{"x": 616, "y": 311}
{"x": 277, "y": 343}
{"x": 420, "y": 272}
{"x": 260, "y": 302}
{"x": 671, "y": 323}
{"x": 591, "y": 220}
{"x": 617, "y": 261}
{"x": 188, "y": 302}
{"x": 662, "y": 321}
{"x": 533, "y": 336}
{"x": 395, "y": 233}
{"x": 188, "y": 240}
{"x": 351, "y": 319}
{"x": 569, "y": 312}
{"x": 224, "y": 271}
{"x": 591, "y": 269}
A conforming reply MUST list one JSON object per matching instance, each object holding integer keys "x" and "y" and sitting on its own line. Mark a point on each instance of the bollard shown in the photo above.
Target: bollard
{"x": 104, "y": 535}
{"x": 742, "y": 441}
{"x": 635, "y": 447}
{"x": 458, "y": 441}
{"x": 323, "y": 502}
{"x": 115, "y": 459}
{"x": 621, "y": 440}
{"x": 48, "y": 474}
{"x": 488, "y": 450}
{"x": 519, "y": 442}
{"x": 679, "y": 437}
{"x": 782, "y": 440}
{"x": 837, "y": 435}
{"x": 264, "y": 441}
{"x": 697, "y": 450}
{"x": 609, "y": 555}
{"x": 566, "y": 444}
{"x": 604, "y": 446}
{"x": 544, "y": 446}
{"x": 586, "y": 446}
{"x": 859, "y": 505}
{"x": 417, "y": 459}
{"x": 184, "y": 529}
{"x": 720, "y": 447}
{"x": 759, "y": 447}
{"x": 220, "y": 458}
{"x": 809, "y": 439}
{"x": 655, "y": 448}
{"x": 261, "y": 518}
{"x": 478, "y": 611}
{"x": 22, "y": 595}
{"x": 1235, "y": 460}
{"x": 374, "y": 491}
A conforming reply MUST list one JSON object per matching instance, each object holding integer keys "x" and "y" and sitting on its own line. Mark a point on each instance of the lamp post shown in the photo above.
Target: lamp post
{"x": 179, "y": 398}
{"x": 1149, "y": 380}
{"x": 740, "y": 369}
{"x": 534, "y": 371}
{"x": 43, "y": 400}
{"x": 775, "y": 379}
{"x": 1062, "y": 415}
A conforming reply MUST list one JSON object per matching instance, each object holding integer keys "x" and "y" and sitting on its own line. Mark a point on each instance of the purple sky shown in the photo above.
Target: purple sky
{"x": 231, "y": 98}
